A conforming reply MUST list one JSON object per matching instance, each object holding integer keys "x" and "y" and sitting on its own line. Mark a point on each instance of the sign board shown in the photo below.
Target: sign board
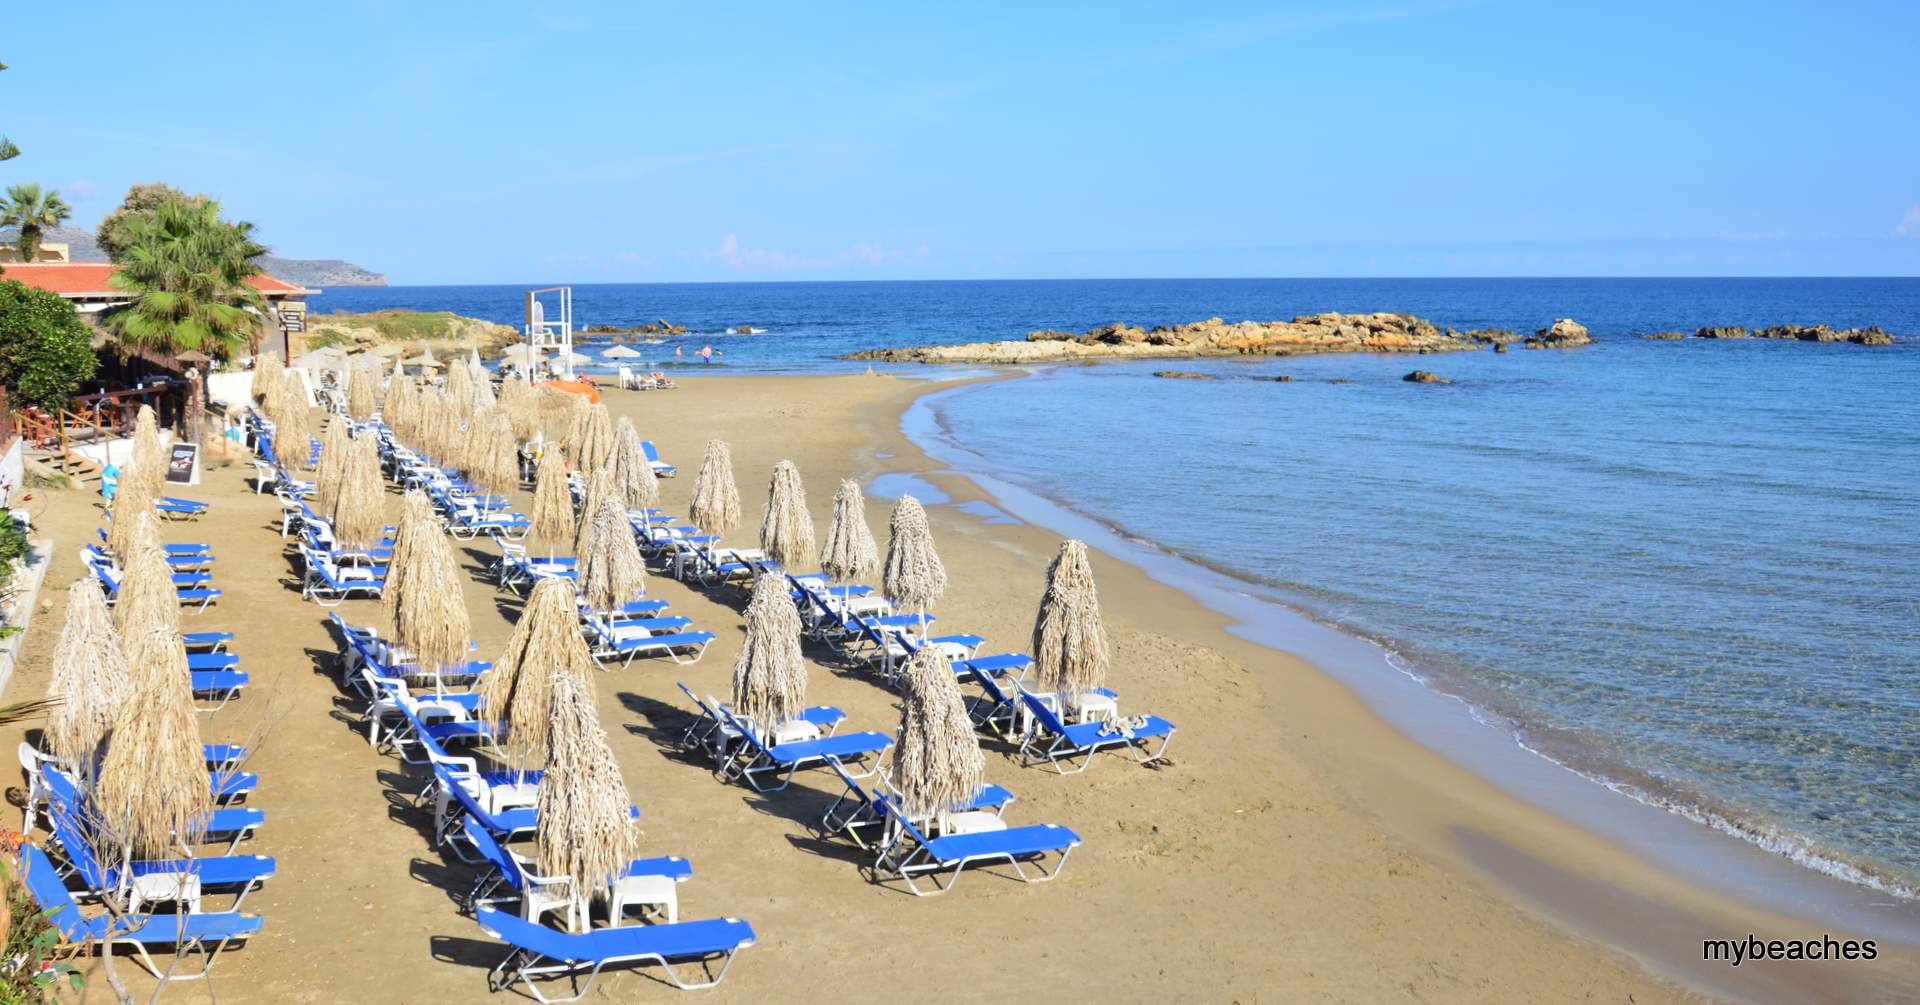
{"x": 183, "y": 464}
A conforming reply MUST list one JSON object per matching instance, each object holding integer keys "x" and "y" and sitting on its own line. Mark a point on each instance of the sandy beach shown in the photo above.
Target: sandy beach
{"x": 1295, "y": 848}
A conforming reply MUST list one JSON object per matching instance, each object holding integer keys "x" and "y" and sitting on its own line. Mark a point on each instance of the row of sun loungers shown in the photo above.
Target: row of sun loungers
{"x": 208, "y": 867}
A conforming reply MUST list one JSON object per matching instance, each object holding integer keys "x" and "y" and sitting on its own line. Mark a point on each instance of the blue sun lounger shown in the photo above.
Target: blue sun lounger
{"x": 211, "y": 642}
{"x": 235, "y": 874}
{"x": 110, "y": 580}
{"x": 1057, "y": 743}
{"x": 231, "y": 824}
{"x": 755, "y": 757}
{"x": 172, "y": 549}
{"x": 217, "y": 686}
{"x": 856, "y": 809}
{"x": 540, "y": 952}
{"x": 507, "y": 878}
{"x": 660, "y": 468}
{"x": 707, "y": 732}
{"x": 606, "y": 643}
{"x": 911, "y": 853}
{"x": 203, "y": 932}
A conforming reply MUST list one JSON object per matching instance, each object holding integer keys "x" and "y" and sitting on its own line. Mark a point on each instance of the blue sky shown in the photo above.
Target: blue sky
{"x": 598, "y": 142}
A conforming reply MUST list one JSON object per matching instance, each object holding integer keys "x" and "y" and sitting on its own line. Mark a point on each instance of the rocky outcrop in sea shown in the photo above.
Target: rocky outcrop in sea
{"x": 1310, "y": 333}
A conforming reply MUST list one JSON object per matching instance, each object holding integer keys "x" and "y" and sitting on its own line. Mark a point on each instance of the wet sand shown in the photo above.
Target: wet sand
{"x": 1296, "y": 848}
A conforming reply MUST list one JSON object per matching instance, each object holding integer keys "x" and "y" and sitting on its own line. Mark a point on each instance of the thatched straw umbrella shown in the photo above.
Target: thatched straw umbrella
{"x": 132, "y": 499}
{"x": 546, "y": 644}
{"x": 559, "y": 412}
{"x": 89, "y": 678}
{"x": 495, "y": 463}
{"x": 264, "y": 388}
{"x": 551, "y": 521}
{"x": 587, "y": 832}
{"x": 914, "y": 579}
{"x": 422, "y": 594}
{"x": 786, "y": 531}
{"x": 483, "y": 396}
{"x": 402, "y": 407}
{"x": 153, "y": 784}
{"x": 769, "y": 676}
{"x": 936, "y": 755}
{"x": 147, "y": 599}
{"x": 361, "y": 396}
{"x": 1070, "y": 651}
{"x": 522, "y": 405}
{"x": 716, "y": 501}
{"x": 149, "y": 462}
{"x": 459, "y": 390}
{"x": 333, "y": 466}
{"x": 359, "y": 513}
{"x": 610, "y": 568}
{"x": 849, "y": 552}
{"x": 600, "y": 486}
{"x": 293, "y": 427}
{"x": 591, "y": 439}
{"x": 448, "y": 433}
{"x": 639, "y": 485}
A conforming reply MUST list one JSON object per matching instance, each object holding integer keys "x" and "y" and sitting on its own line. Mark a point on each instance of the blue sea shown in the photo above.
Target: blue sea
{"x": 1690, "y": 570}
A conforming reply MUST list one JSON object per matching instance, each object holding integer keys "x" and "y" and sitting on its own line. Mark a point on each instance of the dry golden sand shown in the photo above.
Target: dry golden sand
{"x": 1296, "y": 849}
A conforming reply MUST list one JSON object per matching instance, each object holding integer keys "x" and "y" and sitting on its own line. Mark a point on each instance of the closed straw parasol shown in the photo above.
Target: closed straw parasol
{"x": 610, "y": 568}
{"x": 586, "y": 832}
{"x": 459, "y": 389}
{"x": 416, "y": 523}
{"x": 133, "y": 498}
{"x": 147, "y": 599}
{"x": 361, "y": 393}
{"x": 293, "y": 427}
{"x": 770, "y": 677}
{"x": 360, "y": 511}
{"x": 915, "y": 579}
{"x": 600, "y": 485}
{"x": 559, "y": 412}
{"x": 849, "y": 552}
{"x": 422, "y": 594}
{"x": 496, "y": 457}
{"x": 401, "y": 407}
{"x": 448, "y": 432}
{"x": 546, "y": 644}
{"x": 936, "y": 756}
{"x": 333, "y": 466}
{"x": 590, "y": 441}
{"x": 716, "y": 501}
{"x": 149, "y": 454}
{"x": 153, "y": 787}
{"x": 1070, "y": 652}
{"x": 483, "y": 396}
{"x": 264, "y": 388}
{"x": 89, "y": 678}
{"x": 521, "y": 405}
{"x": 552, "y": 519}
{"x": 639, "y": 485}
{"x": 786, "y": 531}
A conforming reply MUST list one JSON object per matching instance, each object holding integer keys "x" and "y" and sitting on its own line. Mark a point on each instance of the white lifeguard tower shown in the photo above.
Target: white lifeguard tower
{"x": 544, "y": 335}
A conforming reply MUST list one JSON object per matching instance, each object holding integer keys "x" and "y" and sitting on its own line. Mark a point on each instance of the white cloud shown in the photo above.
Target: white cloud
{"x": 1910, "y": 224}
{"x": 80, "y": 188}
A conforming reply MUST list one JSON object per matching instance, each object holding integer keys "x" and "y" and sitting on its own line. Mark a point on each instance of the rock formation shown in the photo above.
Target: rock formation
{"x": 1425, "y": 377}
{"x": 1311, "y": 333}
{"x": 1563, "y": 334}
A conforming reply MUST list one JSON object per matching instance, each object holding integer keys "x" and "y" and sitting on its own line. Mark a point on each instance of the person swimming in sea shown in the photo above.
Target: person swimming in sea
{"x": 706, "y": 354}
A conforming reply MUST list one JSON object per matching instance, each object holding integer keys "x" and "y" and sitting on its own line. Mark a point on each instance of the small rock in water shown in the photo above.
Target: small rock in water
{"x": 1665, "y": 336}
{"x": 1182, "y": 375}
{"x": 1499, "y": 347}
{"x": 1726, "y": 331}
{"x": 1562, "y": 334}
{"x": 1282, "y": 379}
{"x": 1424, "y": 377}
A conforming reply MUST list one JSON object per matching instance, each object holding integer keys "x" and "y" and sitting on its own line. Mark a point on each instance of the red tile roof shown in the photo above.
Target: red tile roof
{"x": 89, "y": 279}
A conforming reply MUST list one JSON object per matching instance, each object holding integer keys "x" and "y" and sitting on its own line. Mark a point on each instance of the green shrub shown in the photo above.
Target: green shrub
{"x": 45, "y": 349}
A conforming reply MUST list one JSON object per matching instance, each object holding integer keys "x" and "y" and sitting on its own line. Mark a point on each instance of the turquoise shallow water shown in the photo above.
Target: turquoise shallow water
{"x": 1688, "y": 569}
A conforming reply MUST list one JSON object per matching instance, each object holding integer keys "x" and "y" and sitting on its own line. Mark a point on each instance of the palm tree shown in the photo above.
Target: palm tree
{"x": 187, "y": 271}
{"x": 32, "y": 211}
{"x": 7, "y": 150}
